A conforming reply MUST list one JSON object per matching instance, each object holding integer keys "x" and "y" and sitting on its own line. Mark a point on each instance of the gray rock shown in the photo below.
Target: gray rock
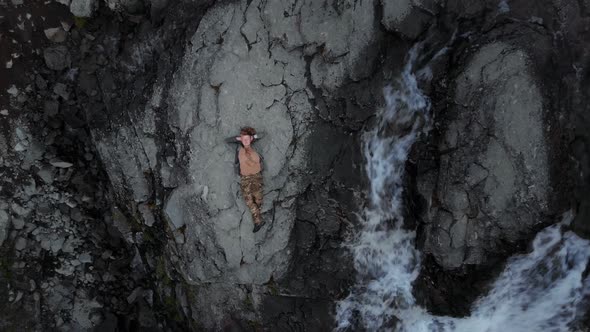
{"x": 486, "y": 186}
{"x": 56, "y": 35}
{"x": 85, "y": 258}
{"x": 138, "y": 291}
{"x": 83, "y": 8}
{"x": 76, "y": 215}
{"x": 148, "y": 217}
{"x": 84, "y": 311}
{"x": 406, "y": 17}
{"x": 19, "y": 209}
{"x": 51, "y": 107}
{"x": 46, "y": 174}
{"x": 13, "y": 91}
{"x": 19, "y": 296}
{"x": 4, "y": 222}
{"x": 61, "y": 164}
{"x": 129, "y": 6}
{"x": 45, "y": 243}
{"x": 61, "y": 90}
{"x": 66, "y": 270}
{"x": 57, "y": 57}
{"x": 57, "y": 244}
{"x": 18, "y": 223}
{"x": 69, "y": 245}
{"x": 20, "y": 244}
{"x": 40, "y": 82}
{"x": 242, "y": 66}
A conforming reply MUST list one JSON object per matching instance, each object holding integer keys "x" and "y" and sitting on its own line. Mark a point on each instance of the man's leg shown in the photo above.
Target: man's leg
{"x": 248, "y": 193}
{"x": 257, "y": 191}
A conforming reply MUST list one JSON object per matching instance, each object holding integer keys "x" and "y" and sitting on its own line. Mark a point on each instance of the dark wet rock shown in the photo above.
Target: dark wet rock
{"x": 498, "y": 187}
{"x": 57, "y": 57}
{"x": 4, "y": 223}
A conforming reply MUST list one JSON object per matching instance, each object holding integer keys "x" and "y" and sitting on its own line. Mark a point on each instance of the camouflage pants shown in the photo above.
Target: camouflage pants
{"x": 251, "y": 186}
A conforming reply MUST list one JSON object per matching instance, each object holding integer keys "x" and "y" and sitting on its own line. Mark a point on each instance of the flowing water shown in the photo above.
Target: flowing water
{"x": 541, "y": 291}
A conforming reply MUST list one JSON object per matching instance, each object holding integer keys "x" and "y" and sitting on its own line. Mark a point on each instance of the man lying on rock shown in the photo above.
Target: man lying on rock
{"x": 249, "y": 165}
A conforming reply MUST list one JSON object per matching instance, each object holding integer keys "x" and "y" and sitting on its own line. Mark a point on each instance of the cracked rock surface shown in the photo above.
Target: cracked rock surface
{"x": 119, "y": 204}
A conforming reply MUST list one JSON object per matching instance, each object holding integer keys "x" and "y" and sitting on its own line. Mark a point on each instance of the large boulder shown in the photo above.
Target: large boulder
{"x": 492, "y": 184}
{"x": 169, "y": 165}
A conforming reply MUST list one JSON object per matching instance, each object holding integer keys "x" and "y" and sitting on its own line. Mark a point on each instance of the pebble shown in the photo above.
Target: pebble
{"x": 21, "y": 243}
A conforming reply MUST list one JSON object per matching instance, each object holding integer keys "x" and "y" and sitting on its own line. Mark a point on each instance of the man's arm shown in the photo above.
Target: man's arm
{"x": 259, "y": 135}
{"x": 232, "y": 139}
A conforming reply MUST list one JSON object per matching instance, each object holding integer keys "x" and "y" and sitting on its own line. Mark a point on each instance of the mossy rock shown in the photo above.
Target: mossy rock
{"x": 80, "y": 22}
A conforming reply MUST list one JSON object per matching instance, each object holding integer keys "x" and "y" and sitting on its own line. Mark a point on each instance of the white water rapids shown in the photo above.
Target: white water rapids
{"x": 544, "y": 290}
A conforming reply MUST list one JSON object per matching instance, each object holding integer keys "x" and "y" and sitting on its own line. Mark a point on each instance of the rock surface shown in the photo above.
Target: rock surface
{"x": 125, "y": 208}
{"x": 492, "y": 183}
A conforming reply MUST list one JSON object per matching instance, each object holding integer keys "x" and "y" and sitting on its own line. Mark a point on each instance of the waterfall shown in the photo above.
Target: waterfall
{"x": 384, "y": 254}
{"x": 540, "y": 291}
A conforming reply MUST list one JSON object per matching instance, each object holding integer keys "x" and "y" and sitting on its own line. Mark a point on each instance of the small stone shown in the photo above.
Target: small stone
{"x": 19, "y": 296}
{"x": 21, "y": 211}
{"x": 21, "y": 243}
{"x": 71, "y": 202}
{"x": 61, "y": 164}
{"x": 85, "y": 258}
{"x": 8, "y": 64}
{"x": 40, "y": 82}
{"x": 4, "y": 112}
{"x": 46, "y": 174}
{"x": 59, "y": 321}
{"x": 66, "y": 270}
{"x": 57, "y": 57}
{"x": 65, "y": 25}
{"x": 21, "y": 134}
{"x": 56, "y": 35}
{"x": 45, "y": 244}
{"x": 68, "y": 246}
{"x": 83, "y": 8}
{"x": 18, "y": 223}
{"x": 106, "y": 254}
{"x": 19, "y": 147}
{"x": 133, "y": 296}
{"x": 56, "y": 245}
{"x": 61, "y": 90}
{"x": 13, "y": 90}
{"x": 536, "y": 20}
{"x": 51, "y": 107}
{"x": 76, "y": 215}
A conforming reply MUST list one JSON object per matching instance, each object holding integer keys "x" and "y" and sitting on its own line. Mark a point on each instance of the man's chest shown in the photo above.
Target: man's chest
{"x": 250, "y": 157}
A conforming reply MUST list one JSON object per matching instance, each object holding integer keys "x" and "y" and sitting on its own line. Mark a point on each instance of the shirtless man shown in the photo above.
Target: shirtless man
{"x": 249, "y": 165}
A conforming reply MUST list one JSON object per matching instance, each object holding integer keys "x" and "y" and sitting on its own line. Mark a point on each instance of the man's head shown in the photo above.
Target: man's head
{"x": 247, "y": 135}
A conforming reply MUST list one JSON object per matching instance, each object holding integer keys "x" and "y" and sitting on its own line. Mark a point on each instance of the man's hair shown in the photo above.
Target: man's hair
{"x": 248, "y": 131}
